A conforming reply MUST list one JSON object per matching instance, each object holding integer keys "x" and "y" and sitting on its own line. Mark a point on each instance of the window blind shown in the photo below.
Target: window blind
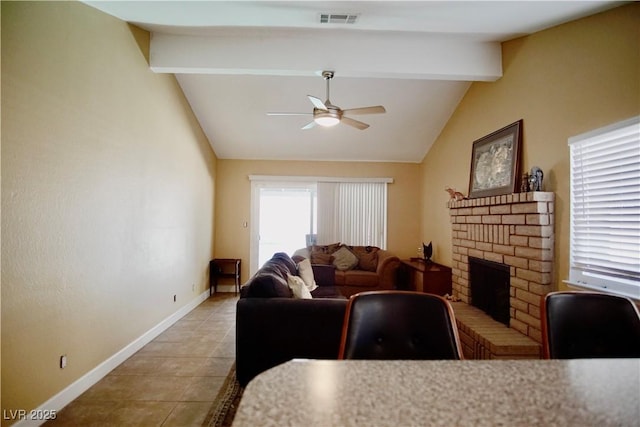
{"x": 352, "y": 212}
{"x": 605, "y": 208}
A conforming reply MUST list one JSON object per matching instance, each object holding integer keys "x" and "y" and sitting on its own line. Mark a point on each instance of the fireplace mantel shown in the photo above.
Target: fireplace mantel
{"x": 514, "y": 229}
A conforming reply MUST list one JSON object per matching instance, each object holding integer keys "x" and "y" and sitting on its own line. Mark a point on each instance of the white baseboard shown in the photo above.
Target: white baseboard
{"x": 74, "y": 390}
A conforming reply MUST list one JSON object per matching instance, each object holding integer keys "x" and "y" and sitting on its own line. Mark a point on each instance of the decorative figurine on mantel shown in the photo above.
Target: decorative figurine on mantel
{"x": 535, "y": 179}
{"x": 427, "y": 251}
{"x": 524, "y": 184}
{"x": 455, "y": 195}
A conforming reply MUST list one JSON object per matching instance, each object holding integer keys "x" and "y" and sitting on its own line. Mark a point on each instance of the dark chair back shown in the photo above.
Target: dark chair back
{"x": 585, "y": 325}
{"x": 399, "y": 325}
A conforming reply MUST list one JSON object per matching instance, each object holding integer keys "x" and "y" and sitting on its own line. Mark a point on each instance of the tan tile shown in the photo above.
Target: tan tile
{"x": 138, "y": 365}
{"x": 137, "y": 387}
{"x": 216, "y": 366}
{"x": 187, "y": 414}
{"x": 191, "y": 348}
{"x": 177, "y": 335}
{"x": 84, "y": 413}
{"x": 110, "y": 388}
{"x": 203, "y": 389}
{"x": 182, "y": 366}
{"x": 141, "y": 414}
{"x": 224, "y": 351}
{"x": 160, "y": 388}
{"x": 172, "y": 381}
{"x": 161, "y": 366}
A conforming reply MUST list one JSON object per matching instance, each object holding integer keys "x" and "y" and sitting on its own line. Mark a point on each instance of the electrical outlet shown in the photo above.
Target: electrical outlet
{"x": 193, "y": 287}
{"x": 63, "y": 361}
{"x": 174, "y": 298}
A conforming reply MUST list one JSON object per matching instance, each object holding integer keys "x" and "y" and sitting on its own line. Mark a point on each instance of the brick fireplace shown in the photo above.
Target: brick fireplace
{"x": 516, "y": 230}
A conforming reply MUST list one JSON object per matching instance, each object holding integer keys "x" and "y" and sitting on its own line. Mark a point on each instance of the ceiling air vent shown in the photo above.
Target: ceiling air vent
{"x": 338, "y": 18}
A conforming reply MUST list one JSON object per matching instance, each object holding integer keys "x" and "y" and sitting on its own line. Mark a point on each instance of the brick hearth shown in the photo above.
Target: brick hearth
{"x": 514, "y": 229}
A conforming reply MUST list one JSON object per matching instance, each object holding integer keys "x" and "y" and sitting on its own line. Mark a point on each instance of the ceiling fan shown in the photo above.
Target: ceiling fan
{"x": 326, "y": 114}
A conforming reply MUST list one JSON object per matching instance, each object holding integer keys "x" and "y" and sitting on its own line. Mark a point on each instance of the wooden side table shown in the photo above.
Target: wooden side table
{"x": 429, "y": 277}
{"x": 224, "y": 268}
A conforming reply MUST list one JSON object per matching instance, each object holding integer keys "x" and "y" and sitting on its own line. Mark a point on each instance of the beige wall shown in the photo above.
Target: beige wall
{"x": 107, "y": 195}
{"x": 234, "y": 199}
{"x": 562, "y": 82}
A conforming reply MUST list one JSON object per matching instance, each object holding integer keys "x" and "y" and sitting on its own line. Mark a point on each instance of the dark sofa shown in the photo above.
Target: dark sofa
{"x": 271, "y": 331}
{"x": 272, "y": 327}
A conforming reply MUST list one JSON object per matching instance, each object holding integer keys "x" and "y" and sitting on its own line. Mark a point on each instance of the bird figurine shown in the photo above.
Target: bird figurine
{"x": 455, "y": 195}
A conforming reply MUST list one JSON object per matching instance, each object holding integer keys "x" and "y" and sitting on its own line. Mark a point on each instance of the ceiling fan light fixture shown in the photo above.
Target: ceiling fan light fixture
{"x": 327, "y": 121}
{"x": 326, "y": 118}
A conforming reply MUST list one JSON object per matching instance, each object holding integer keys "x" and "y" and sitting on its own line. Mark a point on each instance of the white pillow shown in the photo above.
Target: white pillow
{"x": 306, "y": 272}
{"x": 344, "y": 259}
{"x": 298, "y": 287}
{"x": 304, "y": 253}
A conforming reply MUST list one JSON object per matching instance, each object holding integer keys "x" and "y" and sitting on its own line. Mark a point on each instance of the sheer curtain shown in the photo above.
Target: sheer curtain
{"x": 354, "y": 213}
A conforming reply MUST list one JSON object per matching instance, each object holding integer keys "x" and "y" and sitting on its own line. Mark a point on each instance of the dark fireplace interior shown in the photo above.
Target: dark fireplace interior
{"x": 490, "y": 283}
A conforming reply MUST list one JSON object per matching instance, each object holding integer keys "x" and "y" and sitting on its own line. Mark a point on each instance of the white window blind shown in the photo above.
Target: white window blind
{"x": 354, "y": 213}
{"x": 605, "y": 208}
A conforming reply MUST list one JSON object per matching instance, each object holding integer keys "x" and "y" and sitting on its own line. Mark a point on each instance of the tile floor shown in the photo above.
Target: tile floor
{"x": 172, "y": 381}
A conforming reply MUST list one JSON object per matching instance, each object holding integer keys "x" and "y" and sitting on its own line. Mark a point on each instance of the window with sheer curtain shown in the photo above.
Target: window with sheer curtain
{"x": 605, "y": 209}
{"x": 354, "y": 213}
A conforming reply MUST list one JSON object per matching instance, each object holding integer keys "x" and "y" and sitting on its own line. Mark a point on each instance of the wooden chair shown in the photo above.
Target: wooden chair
{"x": 585, "y": 325}
{"x": 399, "y": 325}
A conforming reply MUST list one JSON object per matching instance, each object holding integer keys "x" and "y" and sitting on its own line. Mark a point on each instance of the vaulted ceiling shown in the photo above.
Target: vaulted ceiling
{"x": 238, "y": 60}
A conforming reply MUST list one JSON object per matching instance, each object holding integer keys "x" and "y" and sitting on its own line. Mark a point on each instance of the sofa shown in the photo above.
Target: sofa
{"x": 357, "y": 268}
{"x": 274, "y": 326}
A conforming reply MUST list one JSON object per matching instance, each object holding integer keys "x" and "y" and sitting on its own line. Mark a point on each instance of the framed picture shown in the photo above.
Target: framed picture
{"x": 495, "y": 162}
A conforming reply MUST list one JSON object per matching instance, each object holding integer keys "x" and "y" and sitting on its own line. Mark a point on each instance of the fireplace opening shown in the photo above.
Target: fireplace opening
{"x": 489, "y": 283}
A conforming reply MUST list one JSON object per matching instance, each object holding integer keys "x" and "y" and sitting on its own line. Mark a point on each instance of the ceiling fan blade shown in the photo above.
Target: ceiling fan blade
{"x": 366, "y": 110}
{"x": 309, "y": 125}
{"x": 317, "y": 102}
{"x": 355, "y": 123}
{"x": 289, "y": 114}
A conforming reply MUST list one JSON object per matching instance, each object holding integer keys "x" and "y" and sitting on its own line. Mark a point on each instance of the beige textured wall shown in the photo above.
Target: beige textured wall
{"x": 234, "y": 199}
{"x": 562, "y": 82}
{"x": 107, "y": 195}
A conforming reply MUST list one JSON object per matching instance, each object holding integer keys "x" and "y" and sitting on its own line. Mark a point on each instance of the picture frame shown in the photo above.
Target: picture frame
{"x": 495, "y": 162}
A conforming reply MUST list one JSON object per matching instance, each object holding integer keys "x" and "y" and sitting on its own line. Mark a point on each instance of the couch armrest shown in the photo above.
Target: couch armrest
{"x": 324, "y": 275}
{"x": 271, "y": 331}
{"x": 388, "y": 265}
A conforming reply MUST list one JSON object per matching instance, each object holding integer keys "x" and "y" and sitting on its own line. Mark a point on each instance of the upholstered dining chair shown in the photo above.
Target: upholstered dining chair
{"x": 399, "y": 325}
{"x": 585, "y": 325}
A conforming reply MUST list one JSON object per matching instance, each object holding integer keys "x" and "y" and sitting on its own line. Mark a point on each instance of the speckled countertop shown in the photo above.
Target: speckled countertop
{"x": 313, "y": 393}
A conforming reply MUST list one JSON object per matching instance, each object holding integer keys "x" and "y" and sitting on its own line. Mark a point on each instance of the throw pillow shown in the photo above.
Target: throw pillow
{"x": 319, "y": 258}
{"x": 298, "y": 287}
{"x": 302, "y": 253}
{"x": 306, "y": 272}
{"x": 368, "y": 261}
{"x": 344, "y": 259}
{"x": 368, "y": 256}
{"x": 325, "y": 249}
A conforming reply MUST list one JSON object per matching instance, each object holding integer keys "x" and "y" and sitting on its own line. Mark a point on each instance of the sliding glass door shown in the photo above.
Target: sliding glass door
{"x": 285, "y": 217}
